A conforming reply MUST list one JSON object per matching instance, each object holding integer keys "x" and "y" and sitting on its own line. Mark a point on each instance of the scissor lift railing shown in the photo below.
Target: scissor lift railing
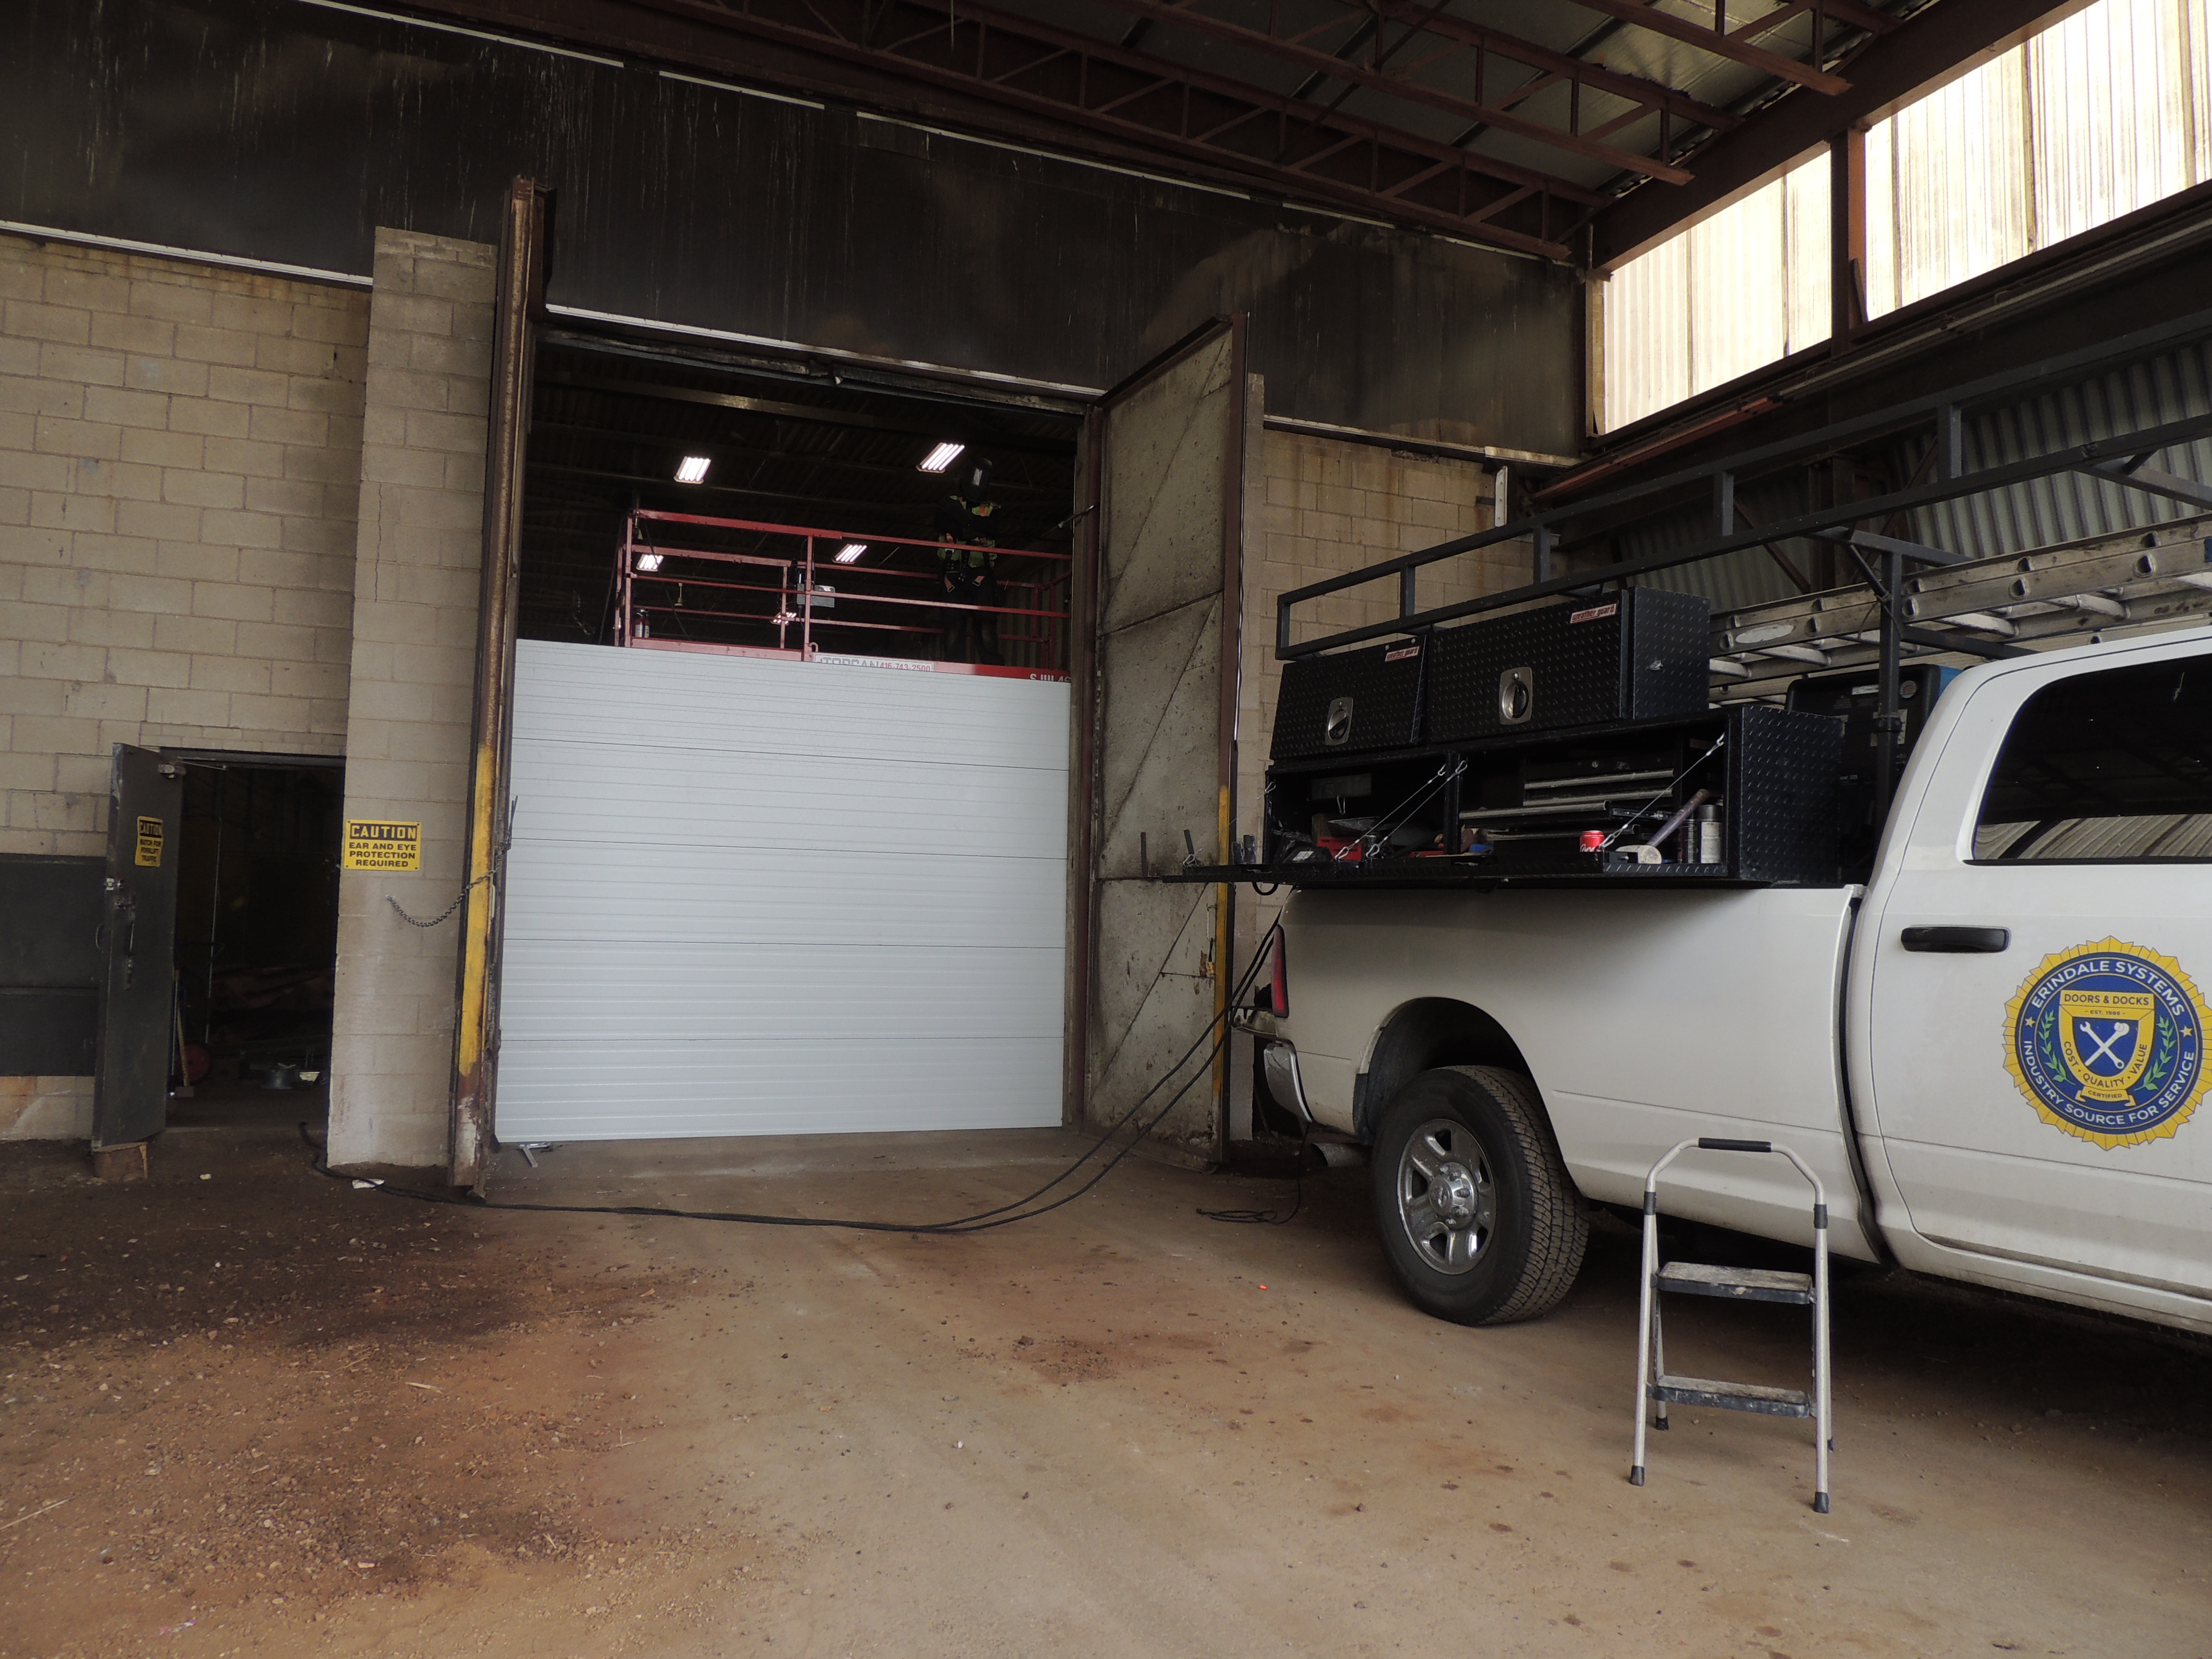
{"x": 790, "y": 591}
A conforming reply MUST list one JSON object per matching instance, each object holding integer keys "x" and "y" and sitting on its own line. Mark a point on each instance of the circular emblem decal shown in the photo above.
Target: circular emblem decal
{"x": 2107, "y": 1042}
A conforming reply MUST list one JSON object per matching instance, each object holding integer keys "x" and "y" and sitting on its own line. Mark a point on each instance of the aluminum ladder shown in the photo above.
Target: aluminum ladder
{"x": 1653, "y": 1382}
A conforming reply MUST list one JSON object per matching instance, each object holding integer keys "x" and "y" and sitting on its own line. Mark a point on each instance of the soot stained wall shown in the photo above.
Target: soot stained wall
{"x": 279, "y": 130}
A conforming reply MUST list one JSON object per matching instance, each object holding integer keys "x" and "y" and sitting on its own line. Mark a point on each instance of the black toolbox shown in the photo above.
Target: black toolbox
{"x": 1632, "y": 653}
{"x": 1855, "y": 698}
{"x": 1350, "y": 701}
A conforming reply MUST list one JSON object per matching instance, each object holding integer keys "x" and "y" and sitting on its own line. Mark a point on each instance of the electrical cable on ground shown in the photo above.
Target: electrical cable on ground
{"x": 983, "y": 1221}
{"x": 1275, "y": 1218}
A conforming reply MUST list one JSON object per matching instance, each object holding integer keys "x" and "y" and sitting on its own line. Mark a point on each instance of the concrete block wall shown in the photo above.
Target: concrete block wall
{"x": 179, "y": 456}
{"x": 1323, "y": 505}
{"x": 420, "y": 549}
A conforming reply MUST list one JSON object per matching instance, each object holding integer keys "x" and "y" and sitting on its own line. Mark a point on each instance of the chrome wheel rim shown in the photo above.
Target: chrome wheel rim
{"x": 1447, "y": 1201}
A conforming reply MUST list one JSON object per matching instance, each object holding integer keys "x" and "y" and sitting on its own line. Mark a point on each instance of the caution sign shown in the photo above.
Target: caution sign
{"x": 150, "y": 843}
{"x": 372, "y": 845}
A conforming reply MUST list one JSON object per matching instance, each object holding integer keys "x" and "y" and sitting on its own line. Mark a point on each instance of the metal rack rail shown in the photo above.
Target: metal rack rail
{"x": 1985, "y": 607}
{"x": 2054, "y": 596}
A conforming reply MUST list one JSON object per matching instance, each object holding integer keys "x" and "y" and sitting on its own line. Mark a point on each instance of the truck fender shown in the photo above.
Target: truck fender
{"x": 1417, "y": 1036}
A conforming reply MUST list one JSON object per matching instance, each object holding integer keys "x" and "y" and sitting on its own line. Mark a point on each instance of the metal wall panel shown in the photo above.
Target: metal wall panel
{"x": 2067, "y": 506}
{"x": 751, "y": 896}
{"x": 2072, "y": 505}
{"x": 276, "y": 130}
{"x": 51, "y": 911}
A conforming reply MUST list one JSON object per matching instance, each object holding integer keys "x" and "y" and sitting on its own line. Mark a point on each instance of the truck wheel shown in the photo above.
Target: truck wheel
{"x": 1477, "y": 1213}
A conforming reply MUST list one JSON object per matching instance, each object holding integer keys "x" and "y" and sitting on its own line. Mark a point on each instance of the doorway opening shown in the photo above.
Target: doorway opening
{"x": 680, "y": 498}
{"x": 256, "y": 951}
{"x": 788, "y": 850}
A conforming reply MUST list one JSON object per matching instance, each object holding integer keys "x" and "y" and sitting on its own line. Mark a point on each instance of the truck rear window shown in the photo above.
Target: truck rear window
{"x": 2105, "y": 768}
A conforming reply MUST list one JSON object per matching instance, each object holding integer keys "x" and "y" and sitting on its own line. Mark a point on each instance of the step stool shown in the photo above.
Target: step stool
{"x": 1654, "y": 1383}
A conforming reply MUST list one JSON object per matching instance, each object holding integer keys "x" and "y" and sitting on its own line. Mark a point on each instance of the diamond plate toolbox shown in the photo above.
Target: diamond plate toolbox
{"x": 1781, "y": 795}
{"x": 1634, "y": 653}
{"x": 1351, "y": 700}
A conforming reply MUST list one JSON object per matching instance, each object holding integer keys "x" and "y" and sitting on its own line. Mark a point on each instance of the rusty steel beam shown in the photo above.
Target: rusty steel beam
{"x": 959, "y": 56}
{"x": 520, "y": 298}
{"x": 1399, "y": 85}
{"x": 1733, "y": 46}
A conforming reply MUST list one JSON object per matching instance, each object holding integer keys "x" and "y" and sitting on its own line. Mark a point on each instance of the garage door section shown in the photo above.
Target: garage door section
{"x": 761, "y": 896}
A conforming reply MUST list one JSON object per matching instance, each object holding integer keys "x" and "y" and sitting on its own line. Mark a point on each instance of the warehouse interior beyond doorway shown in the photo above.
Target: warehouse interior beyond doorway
{"x": 256, "y": 941}
{"x": 770, "y": 450}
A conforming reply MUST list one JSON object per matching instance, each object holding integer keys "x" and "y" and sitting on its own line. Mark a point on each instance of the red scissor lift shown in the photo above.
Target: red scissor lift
{"x": 773, "y": 580}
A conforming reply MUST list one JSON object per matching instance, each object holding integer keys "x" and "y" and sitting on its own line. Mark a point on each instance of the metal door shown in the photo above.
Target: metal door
{"x": 1167, "y": 456}
{"x": 2040, "y": 951}
{"x": 145, "y": 815}
{"x": 750, "y": 897}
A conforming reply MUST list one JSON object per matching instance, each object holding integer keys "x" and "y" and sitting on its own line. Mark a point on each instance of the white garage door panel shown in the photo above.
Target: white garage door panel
{"x": 905, "y": 715}
{"x": 751, "y": 896}
{"x": 625, "y": 800}
{"x": 723, "y": 896}
{"x": 874, "y": 1086}
{"x": 891, "y": 991}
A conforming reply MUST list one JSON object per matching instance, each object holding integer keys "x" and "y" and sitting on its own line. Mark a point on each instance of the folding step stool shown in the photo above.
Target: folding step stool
{"x": 1740, "y": 1284}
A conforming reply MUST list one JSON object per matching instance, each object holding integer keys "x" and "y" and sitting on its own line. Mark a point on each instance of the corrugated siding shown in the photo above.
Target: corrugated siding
{"x": 2067, "y": 508}
{"x": 750, "y": 896}
{"x": 2072, "y": 504}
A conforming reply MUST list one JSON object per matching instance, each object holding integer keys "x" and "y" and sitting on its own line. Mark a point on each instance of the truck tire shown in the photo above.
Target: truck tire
{"x": 1477, "y": 1214}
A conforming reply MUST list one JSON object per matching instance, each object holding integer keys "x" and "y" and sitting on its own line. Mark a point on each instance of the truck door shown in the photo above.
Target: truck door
{"x": 2040, "y": 966}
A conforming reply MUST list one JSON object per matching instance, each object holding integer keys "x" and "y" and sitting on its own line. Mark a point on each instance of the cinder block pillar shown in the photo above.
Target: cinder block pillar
{"x": 413, "y": 678}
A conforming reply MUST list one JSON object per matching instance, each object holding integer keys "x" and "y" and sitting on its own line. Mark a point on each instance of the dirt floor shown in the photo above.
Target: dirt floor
{"x": 245, "y": 1409}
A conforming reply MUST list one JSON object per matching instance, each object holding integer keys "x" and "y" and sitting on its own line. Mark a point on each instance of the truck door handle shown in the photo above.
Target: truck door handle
{"x": 1972, "y": 941}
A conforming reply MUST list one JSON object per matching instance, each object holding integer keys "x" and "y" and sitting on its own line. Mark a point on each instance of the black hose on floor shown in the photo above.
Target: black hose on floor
{"x": 1005, "y": 1216}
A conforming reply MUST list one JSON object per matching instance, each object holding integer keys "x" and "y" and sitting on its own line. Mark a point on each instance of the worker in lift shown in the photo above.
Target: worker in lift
{"x": 968, "y": 560}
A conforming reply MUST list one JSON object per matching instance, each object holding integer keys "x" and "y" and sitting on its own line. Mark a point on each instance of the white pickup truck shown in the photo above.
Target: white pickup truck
{"x": 1992, "y": 1052}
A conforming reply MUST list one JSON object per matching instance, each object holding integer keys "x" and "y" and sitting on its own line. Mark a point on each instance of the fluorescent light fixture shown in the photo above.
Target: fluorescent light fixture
{"x": 649, "y": 562}
{"x": 850, "y": 553}
{"x": 942, "y": 456}
{"x": 694, "y": 468}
